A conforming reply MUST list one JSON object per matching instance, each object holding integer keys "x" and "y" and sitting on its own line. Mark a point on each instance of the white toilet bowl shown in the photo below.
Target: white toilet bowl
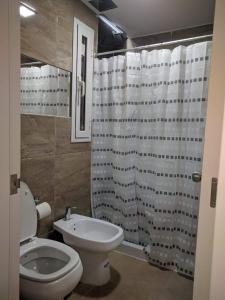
{"x": 49, "y": 270}
{"x": 93, "y": 239}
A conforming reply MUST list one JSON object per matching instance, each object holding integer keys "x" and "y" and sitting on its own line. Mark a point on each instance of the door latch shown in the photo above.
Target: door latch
{"x": 14, "y": 184}
{"x": 213, "y": 192}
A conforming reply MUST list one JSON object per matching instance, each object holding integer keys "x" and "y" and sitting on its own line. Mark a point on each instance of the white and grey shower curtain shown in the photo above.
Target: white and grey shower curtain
{"x": 45, "y": 91}
{"x": 148, "y": 131}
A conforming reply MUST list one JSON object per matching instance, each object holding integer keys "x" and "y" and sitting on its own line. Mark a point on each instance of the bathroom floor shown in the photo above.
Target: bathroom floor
{"x": 133, "y": 279}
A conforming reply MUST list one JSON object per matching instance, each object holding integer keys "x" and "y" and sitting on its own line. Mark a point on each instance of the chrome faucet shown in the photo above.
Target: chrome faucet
{"x": 67, "y": 214}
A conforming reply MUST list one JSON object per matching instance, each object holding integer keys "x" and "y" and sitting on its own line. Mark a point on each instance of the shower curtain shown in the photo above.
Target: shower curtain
{"x": 45, "y": 91}
{"x": 147, "y": 139}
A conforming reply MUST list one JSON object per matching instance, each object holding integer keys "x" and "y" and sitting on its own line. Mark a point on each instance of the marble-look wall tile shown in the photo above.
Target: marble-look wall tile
{"x": 72, "y": 183}
{"x": 77, "y": 9}
{"x": 55, "y": 170}
{"x": 48, "y": 35}
{"x": 64, "y": 42}
{"x": 38, "y": 174}
{"x": 63, "y": 138}
{"x": 38, "y": 33}
{"x": 37, "y": 136}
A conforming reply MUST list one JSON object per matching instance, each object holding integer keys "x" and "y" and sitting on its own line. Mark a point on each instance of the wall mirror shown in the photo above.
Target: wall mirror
{"x": 45, "y": 89}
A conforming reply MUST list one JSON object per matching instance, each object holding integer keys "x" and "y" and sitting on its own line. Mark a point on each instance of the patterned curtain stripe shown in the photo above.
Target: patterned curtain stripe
{"x": 144, "y": 187}
{"x": 145, "y": 137}
{"x": 156, "y": 210}
{"x": 151, "y": 84}
{"x": 158, "y": 65}
{"x": 152, "y": 120}
{"x": 170, "y": 101}
{"x": 148, "y": 154}
{"x": 102, "y": 192}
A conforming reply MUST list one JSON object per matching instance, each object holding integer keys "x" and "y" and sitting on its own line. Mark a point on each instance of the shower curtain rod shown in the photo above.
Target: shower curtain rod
{"x": 156, "y": 45}
{"x": 34, "y": 63}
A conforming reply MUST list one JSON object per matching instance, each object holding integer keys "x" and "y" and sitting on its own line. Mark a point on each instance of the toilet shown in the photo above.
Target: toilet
{"x": 93, "y": 239}
{"x": 49, "y": 270}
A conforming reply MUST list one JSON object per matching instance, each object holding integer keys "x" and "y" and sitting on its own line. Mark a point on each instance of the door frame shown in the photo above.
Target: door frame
{"x": 217, "y": 290}
{"x": 211, "y": 158}
{"x": 10, "y": 147}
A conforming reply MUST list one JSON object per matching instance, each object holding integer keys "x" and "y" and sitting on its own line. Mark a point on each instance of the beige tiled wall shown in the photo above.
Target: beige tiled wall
{"x": 56, "y": 170}
{"x": 48, "y": 35}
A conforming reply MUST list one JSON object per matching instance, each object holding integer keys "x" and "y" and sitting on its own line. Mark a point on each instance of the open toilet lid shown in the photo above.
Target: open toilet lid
{"x": 28, "y": 213}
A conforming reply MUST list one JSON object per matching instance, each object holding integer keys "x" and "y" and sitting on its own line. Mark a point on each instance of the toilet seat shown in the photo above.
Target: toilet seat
{"x": 45, "y": 260}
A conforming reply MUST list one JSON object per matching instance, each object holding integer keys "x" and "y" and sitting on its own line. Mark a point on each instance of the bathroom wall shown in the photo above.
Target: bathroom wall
{"x": 173, "y": 35}
{"x": 48, "y": 35}
{"x": 55, "y": 170}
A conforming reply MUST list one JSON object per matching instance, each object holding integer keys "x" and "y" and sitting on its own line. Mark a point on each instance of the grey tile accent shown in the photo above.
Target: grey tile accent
{"x": 173, "y": 35}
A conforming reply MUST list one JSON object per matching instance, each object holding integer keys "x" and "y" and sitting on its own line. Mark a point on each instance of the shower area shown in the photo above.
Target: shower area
{"x": 148, "y": 122}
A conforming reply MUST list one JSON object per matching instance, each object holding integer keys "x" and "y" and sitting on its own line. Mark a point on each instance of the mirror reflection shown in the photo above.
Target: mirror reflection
{"x": 45, "y": 89}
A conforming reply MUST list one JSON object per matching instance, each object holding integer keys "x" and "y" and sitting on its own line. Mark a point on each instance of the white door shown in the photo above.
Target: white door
{"x": 211, "y": 160}
{"x": 217, "y": 284}
{"x": 9, "y": 148}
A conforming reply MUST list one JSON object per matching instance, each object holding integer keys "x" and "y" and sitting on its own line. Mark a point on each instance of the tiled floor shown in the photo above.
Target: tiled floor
{"x": 133, "y": 279}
